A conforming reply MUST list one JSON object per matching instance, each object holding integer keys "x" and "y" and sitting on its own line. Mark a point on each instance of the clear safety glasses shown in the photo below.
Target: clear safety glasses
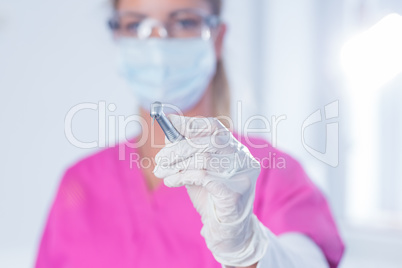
{"x": 187, "y": 23}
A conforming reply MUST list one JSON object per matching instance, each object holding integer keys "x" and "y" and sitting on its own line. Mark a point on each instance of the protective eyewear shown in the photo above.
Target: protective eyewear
{"x": 187, "y": 23}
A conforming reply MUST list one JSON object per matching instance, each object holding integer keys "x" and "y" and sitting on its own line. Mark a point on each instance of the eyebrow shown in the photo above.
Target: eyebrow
{"x": 184, "y": 10}
{"x": 172, "y": 14}
{"x": 131, "y": 12}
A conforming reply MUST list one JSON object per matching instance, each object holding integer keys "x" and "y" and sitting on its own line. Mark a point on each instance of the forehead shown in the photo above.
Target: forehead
{"x": 161, "y": 7}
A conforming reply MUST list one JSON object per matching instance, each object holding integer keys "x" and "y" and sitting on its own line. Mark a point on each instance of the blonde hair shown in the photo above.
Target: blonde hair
{"x": 219, "y": 83}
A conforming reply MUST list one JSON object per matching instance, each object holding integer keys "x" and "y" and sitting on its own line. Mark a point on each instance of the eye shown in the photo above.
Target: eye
{"x": 188, "y": 23}
{"x": 130, "y": 22}
{"x": 132, "y": 26}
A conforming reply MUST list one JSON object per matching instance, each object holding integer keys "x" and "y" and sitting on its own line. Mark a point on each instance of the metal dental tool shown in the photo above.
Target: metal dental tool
{"x": 157, "y": 113}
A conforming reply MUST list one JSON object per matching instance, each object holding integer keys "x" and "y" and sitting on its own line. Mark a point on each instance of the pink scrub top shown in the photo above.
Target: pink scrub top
{"x": 105, "y": 216}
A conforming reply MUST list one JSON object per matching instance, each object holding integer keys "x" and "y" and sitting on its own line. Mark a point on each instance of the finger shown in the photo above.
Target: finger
{"x": 188, "y": 177}
{"x": 218, "y": 165}
{"x": 197, "y": 162}
{"x": 239, "y": 184}
{"x": 189, "y": 147}
{"x": 193, "y": 127}
{"x": 185, "y": 149}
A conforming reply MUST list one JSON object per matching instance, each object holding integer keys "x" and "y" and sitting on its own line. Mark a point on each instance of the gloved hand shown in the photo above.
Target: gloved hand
{"x": 220, "y": 176}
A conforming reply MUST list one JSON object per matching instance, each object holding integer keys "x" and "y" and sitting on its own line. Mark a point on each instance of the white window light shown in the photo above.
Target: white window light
{"x": 374, "y": 57}
{"x": 370, "y": 60}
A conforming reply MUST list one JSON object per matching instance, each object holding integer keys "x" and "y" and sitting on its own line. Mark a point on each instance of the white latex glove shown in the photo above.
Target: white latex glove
{"x": 291, "y": 250}
{"x": 220, "y": 176}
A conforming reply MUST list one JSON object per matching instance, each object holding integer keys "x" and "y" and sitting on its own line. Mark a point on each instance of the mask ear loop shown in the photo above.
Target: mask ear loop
{"x": 146, "y": 27}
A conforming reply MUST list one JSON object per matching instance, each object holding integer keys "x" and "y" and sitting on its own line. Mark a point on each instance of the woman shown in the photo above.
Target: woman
{"x": 111, "y": 210}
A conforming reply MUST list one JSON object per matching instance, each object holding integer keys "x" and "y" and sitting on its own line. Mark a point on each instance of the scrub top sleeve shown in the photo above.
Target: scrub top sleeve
{"x": 288, "y": 201}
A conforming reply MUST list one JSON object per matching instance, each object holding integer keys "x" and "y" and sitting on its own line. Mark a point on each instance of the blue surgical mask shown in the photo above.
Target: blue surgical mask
{"x": 173, "y": 71}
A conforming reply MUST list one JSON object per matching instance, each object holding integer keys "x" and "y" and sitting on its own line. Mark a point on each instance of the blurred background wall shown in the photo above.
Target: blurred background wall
{"x": 286, "y": 60}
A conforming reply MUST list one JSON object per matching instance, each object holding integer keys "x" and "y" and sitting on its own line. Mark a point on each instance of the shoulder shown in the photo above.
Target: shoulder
{"x": 96, "y": 162}
{"x": 269, "y": 156}
{"x": 96, "y": 177}
{"x": 281, "y": 174}
{"x": 104, "y": 164}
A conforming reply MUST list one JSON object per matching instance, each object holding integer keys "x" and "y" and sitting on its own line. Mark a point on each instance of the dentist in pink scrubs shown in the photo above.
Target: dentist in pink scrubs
{"x": 206, "y": 201}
